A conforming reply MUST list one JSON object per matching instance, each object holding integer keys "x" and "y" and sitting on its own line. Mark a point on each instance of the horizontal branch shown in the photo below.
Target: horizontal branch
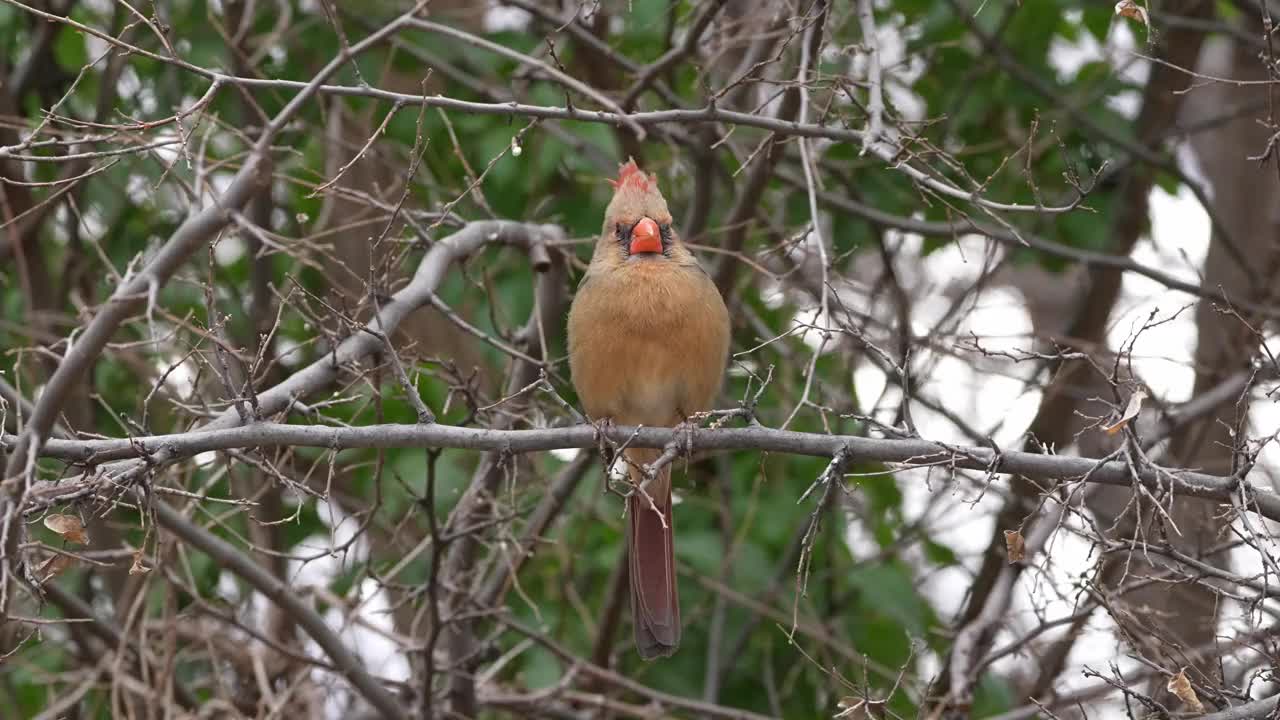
{"x": 1256, "y": 710}
{"x": 558, "y": 75}
{"x": 545, "y": 112}
{"x": 709, "y": 113}
{"x": 910, "y": 453}
{"x": 890, "y": 153}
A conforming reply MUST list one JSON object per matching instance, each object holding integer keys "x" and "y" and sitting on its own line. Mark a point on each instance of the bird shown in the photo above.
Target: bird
{"x": 648, "y": 338}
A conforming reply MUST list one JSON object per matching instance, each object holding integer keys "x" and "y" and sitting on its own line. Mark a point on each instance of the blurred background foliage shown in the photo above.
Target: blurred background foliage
{"x": 1044, "y": 110}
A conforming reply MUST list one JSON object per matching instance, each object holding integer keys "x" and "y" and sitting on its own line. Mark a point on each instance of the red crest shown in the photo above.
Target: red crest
{"x": 630, "y": 173}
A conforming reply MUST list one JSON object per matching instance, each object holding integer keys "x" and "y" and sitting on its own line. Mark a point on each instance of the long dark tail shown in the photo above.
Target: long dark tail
{"x": 655, "y": 605}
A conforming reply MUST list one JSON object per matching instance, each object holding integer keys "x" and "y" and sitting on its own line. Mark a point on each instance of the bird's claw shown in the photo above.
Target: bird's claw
{"x": 686, "y": 427}
{"x": 603, "y": 426}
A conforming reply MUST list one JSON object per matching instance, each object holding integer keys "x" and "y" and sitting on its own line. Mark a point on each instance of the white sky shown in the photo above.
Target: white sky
{"x": 1162, "y": 356}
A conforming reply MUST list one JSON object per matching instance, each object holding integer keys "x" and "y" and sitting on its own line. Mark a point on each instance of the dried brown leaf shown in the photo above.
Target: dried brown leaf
{"x": 68, "y": 526}
{"x": 1131, "y": 411}
{"x": 1133, "y": 11}
{"x": 1015, "y": 545}
{"x": 1180, "y": 686}
{"x": 137, "y": 568}
{"x": 53, "y": 567}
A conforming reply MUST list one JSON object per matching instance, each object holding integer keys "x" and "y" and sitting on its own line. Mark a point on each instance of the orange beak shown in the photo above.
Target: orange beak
{"x": 645, "y": 237}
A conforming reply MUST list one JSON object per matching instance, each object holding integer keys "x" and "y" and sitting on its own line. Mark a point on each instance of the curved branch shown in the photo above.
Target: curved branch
{"x": 319, "y": 374}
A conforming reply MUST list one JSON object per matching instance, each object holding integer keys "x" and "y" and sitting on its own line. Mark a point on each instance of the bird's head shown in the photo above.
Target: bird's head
{"x": 637, "y": 223}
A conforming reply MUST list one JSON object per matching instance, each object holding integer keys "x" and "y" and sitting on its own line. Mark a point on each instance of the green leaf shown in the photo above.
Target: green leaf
{"x": 888, "y": 590}
{"x": 1097, "y": 20}
{"x": 69, "y": 49}
{"x": 881, "y": 490}
{"x": 701, "y": 549}
{"x": 939, "y": 554}
{"x": 992, "y": 696}
{"x": 541, "y": 668}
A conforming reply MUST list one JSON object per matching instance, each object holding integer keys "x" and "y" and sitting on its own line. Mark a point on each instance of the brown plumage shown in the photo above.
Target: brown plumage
{"x": 648, "y": 342}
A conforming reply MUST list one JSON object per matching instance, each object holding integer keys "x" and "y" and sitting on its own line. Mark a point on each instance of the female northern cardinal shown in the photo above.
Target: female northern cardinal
{"x": 648, "y": 342}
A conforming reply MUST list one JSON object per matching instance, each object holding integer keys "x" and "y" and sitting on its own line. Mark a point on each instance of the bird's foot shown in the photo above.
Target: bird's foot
{"x": 609, "y": 450}
{"x": 609, "y": 453}
{"x": 682, "y": 434}
{"x": 603, "y": 427}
